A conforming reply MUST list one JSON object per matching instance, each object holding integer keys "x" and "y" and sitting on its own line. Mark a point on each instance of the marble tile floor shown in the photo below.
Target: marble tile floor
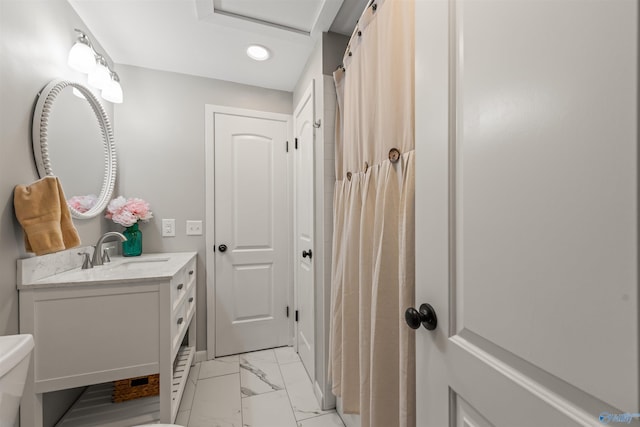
{"x": 268, "y": 388}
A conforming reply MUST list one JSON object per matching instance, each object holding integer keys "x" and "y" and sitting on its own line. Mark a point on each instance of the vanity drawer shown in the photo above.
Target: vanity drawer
{"x": 190, "y": 303}
{"x": 182, "y": 282}
{"x": 190, "y": 274}
{"x": 178, "y": 323}
{"x": 178, "y": 290}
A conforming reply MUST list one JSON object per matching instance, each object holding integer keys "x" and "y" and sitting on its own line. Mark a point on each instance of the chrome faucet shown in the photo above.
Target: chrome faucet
{"x": 97, "y": 252}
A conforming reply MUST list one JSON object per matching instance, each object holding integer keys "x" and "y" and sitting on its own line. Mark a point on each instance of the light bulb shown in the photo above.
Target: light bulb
{"x": 113, "y": 91}
{"x": 81, "y": 55}
{"x": 257, "y": 52}
{"x": 100, "y": 76}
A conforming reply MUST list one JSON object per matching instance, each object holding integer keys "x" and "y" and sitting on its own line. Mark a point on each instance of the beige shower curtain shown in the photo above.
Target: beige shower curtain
{"x": 372, "y": 351}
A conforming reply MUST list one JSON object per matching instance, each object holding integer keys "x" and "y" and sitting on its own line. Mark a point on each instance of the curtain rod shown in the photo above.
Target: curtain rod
{"x": 372, "y": 4}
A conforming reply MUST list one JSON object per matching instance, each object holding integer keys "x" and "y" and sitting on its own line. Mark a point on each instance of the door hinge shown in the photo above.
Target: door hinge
{"x": 296, "y": 143}
{"x": 287, "y": 311}
{"x": 287, "y": 146}
{"x": 296, "y": 315}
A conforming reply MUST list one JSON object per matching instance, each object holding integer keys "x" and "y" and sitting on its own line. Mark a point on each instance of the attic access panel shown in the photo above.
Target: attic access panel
{"x": 299, "y": 15}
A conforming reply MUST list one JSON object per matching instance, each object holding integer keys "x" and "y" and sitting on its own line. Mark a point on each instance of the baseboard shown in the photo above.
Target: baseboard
{"x": 327, "y": 401}
{"x": 201, "y": 356}
{"x": 318, "y": 392}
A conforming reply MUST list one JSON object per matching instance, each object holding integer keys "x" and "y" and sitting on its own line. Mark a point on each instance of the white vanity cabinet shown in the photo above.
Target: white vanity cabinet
{"x": 126, "y": 319}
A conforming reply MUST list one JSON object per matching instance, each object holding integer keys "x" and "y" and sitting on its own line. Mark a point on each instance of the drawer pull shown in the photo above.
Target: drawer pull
{"x": 190, "y": 272}
{"x": 180, "y": 320}
{"x": 180, "y": 286}
{"x": 191, "y": 299}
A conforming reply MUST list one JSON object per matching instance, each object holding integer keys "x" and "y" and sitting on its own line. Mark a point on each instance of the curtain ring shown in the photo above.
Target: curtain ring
{"x": 394, "y": 155}
{"x": 349, "y": 176}
{"x": 366, "y": 167}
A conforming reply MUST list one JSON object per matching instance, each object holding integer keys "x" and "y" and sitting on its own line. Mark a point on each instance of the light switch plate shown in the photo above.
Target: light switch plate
{"x": 194, "y": 228}
{"x": 168, "y": 228}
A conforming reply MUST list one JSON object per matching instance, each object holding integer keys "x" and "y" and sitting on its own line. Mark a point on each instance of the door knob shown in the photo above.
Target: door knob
{"x": 222, "y": 248}
{"x": 306, "y": 254}
{"x": 425, "y": 317}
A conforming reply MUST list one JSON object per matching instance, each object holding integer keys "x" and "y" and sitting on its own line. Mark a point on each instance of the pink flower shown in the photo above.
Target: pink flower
{"x": 139, "y": 208}
{"x": 82, "y": 203}
{"x": 127, "y": 212}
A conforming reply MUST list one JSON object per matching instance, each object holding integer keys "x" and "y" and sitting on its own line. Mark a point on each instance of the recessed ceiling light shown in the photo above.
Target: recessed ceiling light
{"x": 257, "y": 52}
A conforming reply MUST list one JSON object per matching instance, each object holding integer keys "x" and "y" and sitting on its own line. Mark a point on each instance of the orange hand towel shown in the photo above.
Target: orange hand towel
{"x": 42, "y": 210}
{"x": 70, "y": 235}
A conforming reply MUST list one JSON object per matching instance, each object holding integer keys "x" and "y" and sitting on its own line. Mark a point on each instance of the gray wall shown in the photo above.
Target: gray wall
{"x": 35, "y": 38}
{"x": 333, "y": 50}
{"x": 161, "y": 147}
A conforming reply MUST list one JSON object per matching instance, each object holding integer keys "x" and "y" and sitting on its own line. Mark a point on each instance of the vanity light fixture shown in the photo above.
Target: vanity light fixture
{"x": 83, "y": 57}
{"x": 100, "y": 76}
{"x": 113, "y": 91}
{"x": 258, "y": 53}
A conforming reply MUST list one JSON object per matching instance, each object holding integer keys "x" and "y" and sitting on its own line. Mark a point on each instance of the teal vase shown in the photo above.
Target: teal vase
{"x": 133, "y": 245}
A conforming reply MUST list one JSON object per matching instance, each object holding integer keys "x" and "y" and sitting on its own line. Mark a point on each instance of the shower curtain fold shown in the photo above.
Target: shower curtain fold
{"x": 372, "y": 352}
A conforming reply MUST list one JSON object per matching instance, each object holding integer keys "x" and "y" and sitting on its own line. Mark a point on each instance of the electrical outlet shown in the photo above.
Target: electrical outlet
{"x": 194, "y": 228}
{"x": 168, "y": 228}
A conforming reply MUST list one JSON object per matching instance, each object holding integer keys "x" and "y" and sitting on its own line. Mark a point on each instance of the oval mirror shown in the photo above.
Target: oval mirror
{"x": 73, "y": 140}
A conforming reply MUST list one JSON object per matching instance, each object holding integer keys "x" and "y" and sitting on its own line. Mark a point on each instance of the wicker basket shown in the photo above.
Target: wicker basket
{"x": 135, "y": 388}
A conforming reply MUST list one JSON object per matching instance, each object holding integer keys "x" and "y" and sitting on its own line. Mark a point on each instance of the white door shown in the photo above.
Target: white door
{"x": 251, "y": 233}
{"x": 527, "y": 212}
{"x": 304, "y": 223}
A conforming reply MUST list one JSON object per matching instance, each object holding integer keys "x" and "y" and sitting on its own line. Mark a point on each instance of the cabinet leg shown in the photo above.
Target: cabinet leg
{"x": 31, "y": 403}
{"x": 165, "y": 400}
{"x": 31, "y": 409}
{"x": 192, "y": 336}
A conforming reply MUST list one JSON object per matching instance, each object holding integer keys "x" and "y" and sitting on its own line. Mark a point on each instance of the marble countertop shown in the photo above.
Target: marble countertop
{"x": 140, "y": 269}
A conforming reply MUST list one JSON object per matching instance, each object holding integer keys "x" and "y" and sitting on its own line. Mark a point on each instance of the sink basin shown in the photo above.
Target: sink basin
{"x": 15, "y": 351}
{"x": 142, "y": 261}
{"x": 139, "y": 263}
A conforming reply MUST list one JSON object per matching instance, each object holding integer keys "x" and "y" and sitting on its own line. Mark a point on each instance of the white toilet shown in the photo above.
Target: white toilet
{"x": 15, "y": 351}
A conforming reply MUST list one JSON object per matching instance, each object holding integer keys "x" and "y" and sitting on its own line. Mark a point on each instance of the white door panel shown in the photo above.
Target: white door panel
{"x": 527, "y": 191}
{"x": 304, "y": 213}
{"x": 251, "y": 220}
{"x": 467, "y": 416}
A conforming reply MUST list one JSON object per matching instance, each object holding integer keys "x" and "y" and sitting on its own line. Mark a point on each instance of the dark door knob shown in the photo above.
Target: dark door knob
{"x": 306, "y": 254}
{"x": 222, "y": 248}
{"x": 425, "y": 317}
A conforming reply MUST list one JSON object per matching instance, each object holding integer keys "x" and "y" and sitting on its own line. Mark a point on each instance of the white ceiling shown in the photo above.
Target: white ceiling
{"x": 209, "y": 37}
